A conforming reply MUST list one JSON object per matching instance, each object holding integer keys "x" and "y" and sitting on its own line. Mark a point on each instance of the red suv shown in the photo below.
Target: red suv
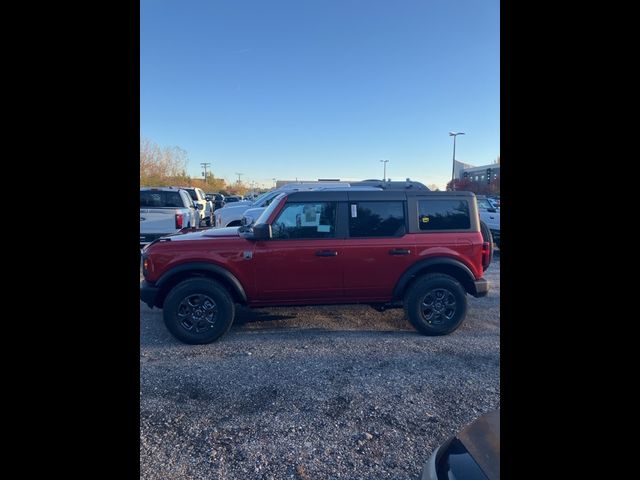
{"x": 395, "y": 247}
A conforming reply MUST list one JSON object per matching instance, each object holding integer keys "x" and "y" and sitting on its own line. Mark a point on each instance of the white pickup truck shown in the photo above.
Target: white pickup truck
{"x": 490, "y": 215}
{"x": 165, "y": 210}
{"x": 200, "y": 198}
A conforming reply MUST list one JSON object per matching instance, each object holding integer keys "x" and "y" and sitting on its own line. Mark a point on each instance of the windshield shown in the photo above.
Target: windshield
{"x": 274, "y": 204}
{"x": 261, "y": 197}
{"x": 484, "y": 203}
{"x": 265, "y": 199}
{"x": 193, "y": 194}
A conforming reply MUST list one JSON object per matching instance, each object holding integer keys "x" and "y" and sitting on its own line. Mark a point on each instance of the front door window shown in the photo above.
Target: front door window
{"x": 305, "y": 220}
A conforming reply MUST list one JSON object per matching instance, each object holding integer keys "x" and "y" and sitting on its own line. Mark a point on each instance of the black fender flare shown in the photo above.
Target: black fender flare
{"x": 207, "y": 267}
{"x": 467, "y": 276}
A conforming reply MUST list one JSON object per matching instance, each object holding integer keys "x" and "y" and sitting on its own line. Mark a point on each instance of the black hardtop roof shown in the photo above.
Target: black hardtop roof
{"x": 392, "y": 185}
{"x": 345, "y": 194}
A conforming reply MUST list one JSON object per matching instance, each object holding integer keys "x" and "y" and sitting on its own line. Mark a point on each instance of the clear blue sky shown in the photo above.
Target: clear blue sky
{"x": 311, "y": 88}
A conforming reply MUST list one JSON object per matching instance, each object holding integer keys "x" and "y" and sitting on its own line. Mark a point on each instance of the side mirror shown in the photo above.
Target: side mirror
{"x": 199, "y": 206}
{"x": 261, "y": 231}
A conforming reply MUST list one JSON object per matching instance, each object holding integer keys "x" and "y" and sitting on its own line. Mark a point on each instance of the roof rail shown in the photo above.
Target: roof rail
{"x": 392, "y": 185}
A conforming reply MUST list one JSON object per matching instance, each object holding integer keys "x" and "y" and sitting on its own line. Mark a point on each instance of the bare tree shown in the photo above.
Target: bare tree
{"x": 162, "y": 166}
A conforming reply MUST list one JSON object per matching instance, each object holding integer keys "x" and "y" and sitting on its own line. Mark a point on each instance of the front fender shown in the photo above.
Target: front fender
{"x": 232, "y": 280}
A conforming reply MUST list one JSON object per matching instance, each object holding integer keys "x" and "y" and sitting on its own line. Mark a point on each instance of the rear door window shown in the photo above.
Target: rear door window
{"x": 376, "y": 219}
{"x": 443, "y": 215}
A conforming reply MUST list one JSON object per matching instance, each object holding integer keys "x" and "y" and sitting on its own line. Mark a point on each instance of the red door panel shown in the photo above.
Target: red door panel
{"x": 373, "y": 266}
{"x": 294, "y": 271}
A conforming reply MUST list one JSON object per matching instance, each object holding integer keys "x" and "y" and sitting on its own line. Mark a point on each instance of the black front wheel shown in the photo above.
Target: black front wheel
{"x": 436, "y": 304}
{"x": 198, "y": 310}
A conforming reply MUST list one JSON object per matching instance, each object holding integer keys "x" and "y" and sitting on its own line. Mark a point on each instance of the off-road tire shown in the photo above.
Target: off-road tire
{"x": 189, "y": 303}
{"x": 436, "y": 304}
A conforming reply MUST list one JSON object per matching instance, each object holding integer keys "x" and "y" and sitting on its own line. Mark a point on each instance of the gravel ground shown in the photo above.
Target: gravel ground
{"x": 313, "y": 393}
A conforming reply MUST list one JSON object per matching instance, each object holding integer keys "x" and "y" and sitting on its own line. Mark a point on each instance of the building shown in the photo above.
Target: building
{"x": 479, "y": 174}
{"x": 458, "y": 167}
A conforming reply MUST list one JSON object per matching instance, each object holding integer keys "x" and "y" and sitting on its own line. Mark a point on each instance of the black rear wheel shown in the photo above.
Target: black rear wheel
{"x": 436, "y": 304}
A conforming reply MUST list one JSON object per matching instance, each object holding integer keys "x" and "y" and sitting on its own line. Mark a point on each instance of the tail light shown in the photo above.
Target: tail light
{"x": 147, "y": 266}
{"x": 486, "y": 258}
{"x": 179, "y": 220}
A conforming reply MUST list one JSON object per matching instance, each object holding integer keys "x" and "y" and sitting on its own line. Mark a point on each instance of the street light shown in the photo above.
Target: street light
{"x": 384, "y": 175}
{"x": 453, "y": 169}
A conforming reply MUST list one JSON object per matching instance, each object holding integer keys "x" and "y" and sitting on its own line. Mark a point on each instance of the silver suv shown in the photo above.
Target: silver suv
{"x": 231, "y": 215}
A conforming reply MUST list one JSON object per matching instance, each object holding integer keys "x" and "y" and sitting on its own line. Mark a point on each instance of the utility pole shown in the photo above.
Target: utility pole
{"x": 453, "y": 168}
{"x": 384, "y": 175}
{"x": 205, "y": 165}
{"x": 274, "y": 182}
{"x": 239, "y": 175}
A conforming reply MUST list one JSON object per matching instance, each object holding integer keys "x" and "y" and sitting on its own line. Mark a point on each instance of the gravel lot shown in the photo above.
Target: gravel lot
{"x": 313, "y": 393}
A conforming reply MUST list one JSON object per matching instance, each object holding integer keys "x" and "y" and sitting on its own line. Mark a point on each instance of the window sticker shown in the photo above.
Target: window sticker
{"x": 354, "y": 210}
{"x": 424, "y": 219}
{"x": 324, "y": 228}
{"x": 310, "y": 216}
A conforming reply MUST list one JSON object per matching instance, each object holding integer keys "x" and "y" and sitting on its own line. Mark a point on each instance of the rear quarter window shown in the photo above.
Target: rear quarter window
{"x": 443, "y": 215}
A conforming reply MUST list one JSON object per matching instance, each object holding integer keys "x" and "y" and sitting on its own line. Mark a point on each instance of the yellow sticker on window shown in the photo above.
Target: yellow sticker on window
{"x": 425, "y": 219}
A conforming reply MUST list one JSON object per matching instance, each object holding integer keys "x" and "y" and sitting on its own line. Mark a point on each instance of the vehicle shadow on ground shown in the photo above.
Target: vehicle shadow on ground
{"x": 251, "y": 325}
{"x": 245, "y": 315}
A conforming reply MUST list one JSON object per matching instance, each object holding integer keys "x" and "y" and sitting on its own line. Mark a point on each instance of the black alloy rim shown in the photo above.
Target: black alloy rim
{"x": 438, "y": 306}
{"x": 197, "y": 313}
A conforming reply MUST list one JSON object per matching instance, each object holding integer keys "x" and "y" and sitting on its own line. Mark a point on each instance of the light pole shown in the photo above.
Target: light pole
{"x": 384, "y": 175}
{"x": 453, "y": 168}
{"x": 274, "y": 182}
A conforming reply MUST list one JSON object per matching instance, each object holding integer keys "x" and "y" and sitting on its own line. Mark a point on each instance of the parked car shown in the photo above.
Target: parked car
{"x": 233, "y": 198}
{"x": 491, "y": 216}
{"x": 231, "y": 214}
{"x": 390, "y": 248}
{"x": 234, "y": 215}
{"x": 472, "y": 454}
{"x": 165, "y": 210}
{"x": 206, "y": 212}
{"x": 217, "y": 199}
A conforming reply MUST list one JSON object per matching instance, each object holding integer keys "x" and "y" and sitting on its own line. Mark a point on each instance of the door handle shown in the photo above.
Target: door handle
{"x": 326, "y": 253}
{"x": 399, "y": 251}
